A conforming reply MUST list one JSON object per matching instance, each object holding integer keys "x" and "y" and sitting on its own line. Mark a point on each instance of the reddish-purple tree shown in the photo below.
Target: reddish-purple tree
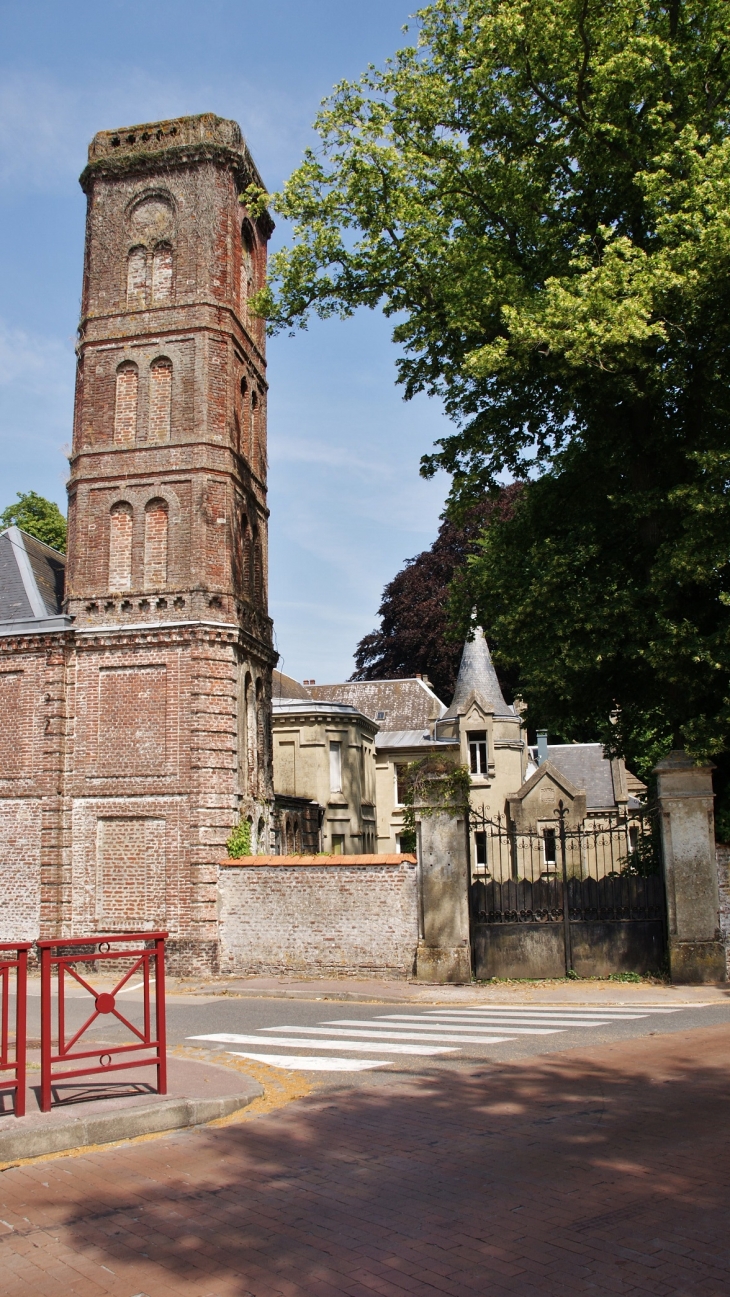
{"x": 414, "y": 626}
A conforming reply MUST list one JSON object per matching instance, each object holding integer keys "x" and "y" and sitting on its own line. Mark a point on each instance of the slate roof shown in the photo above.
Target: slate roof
{"x": 386, "y": 740}
{"x": 478, "y": 676}
{"x": 585, "y": 766}
{"x": 31, "y": 584}
{"x": 404, "y": 704}
{"x": 285, "y": 687}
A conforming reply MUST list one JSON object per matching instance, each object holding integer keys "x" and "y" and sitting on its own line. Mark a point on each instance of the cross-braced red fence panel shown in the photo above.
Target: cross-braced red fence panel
{"x": 14, "y": 959}
{"x": 64, "y": 956}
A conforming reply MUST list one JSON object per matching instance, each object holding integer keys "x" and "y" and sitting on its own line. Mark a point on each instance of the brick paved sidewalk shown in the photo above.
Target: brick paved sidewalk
{"x": 601, "y": 1172}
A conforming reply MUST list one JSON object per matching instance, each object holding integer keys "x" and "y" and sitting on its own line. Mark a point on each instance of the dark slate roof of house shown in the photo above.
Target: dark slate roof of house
{"x": 394, "y": 704}
{"x": 285, "y": 687}
{"x": 31, "y": 584}
{"x": 389, "y": 740}
{"x": 478, "y": 676}
{"x": 585, "y": 765}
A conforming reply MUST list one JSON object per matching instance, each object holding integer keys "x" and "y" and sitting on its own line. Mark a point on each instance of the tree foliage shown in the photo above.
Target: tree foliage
{"x": 415, "y": 635}
{"x": 539, "y": 192}
{"x": 39, "y": 517}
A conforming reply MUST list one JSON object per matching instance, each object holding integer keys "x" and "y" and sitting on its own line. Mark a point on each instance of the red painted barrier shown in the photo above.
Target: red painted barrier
{"x": 19, "y": 963}
{"x": 62, "y": 956}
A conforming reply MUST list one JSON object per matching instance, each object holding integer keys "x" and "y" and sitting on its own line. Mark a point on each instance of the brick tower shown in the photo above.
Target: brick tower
{"x": 170, "y": 653}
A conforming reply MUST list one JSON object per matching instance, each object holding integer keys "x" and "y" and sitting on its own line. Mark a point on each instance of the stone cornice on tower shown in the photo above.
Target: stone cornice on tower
{"x": 178, "y": 141}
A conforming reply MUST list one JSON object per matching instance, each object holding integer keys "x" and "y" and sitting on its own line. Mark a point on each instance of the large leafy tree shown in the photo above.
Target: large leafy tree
{"x": 415, "y": 635}
{"x": 539, "y": 192}
{"x": 39, "y": 517}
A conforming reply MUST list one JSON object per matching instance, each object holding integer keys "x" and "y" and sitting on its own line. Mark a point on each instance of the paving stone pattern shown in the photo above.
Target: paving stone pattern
{"x": 573, "y": 1173}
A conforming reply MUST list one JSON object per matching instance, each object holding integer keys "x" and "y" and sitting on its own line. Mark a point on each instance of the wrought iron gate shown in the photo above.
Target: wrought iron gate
{"x": 560, "y": 899}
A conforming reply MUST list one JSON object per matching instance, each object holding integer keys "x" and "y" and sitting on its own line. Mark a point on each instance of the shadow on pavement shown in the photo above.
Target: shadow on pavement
{"x": 601, "y": 1172}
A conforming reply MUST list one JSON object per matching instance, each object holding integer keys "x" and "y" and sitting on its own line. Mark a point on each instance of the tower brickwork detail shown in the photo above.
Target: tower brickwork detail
{"x": 159, "y": 683}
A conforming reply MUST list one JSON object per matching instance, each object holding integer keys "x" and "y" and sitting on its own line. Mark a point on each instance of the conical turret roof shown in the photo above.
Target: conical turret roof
{"x": 478, "y": 676}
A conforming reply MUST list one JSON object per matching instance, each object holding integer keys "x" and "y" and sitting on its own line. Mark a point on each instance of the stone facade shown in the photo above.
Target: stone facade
{"x": 338, "y": 917}
{"x": 324, "y": 755}
{"x": 142, "y": 724}
{"x": 722, "y": 851}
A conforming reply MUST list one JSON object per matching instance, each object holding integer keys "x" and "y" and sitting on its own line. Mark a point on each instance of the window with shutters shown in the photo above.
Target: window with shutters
{"x": 478, "y": 752}
{"x": 335, "y": 767}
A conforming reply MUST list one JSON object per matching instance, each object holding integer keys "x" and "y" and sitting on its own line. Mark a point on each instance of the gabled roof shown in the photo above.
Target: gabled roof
{"x": 31, "y": 584}
{"x": 477, "y": 678}
{"x": 394, "y": 704}
{"x": 285, "y": 687}
{"x": 586, "y": 767}
{"x": 558, "y": 776}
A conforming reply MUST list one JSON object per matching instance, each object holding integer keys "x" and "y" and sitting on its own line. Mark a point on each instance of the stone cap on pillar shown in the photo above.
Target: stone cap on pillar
{"x": 679, "y": 775}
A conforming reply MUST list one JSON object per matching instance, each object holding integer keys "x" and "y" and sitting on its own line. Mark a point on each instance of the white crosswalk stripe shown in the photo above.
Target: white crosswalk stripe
{"x": 459, "y": 1039}
{"x": 530, "y": 1024}
{"x": 426, "y": 1033}
{"x": 579, "y": 1011}
{"x": 476, "y": 1033}
{"x": 385, "y": 1046}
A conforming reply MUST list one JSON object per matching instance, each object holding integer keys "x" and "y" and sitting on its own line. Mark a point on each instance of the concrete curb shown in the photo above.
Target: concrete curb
{"x": 124, "y": 1123}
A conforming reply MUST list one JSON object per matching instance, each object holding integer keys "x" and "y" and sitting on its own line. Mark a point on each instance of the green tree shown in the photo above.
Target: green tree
{"x": 39, "y": 517}
{"x": 539, "y": 192}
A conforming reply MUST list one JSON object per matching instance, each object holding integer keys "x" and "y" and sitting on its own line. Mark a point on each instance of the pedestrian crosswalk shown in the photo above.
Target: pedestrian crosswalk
{"x": 425, "y": 1034}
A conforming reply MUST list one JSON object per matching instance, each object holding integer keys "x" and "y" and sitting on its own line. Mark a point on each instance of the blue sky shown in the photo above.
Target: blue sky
{"x": 347, "y": 504}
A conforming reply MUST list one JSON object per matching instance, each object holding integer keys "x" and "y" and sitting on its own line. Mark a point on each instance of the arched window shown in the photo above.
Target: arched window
{"x": 260, "y": 738}
{"x": 241, "y": 552}
{"x": 155, "y": 544}
{"x": 160, "y": 400}
{"x": 162, "y": 274}
{"x": 247, "y": 284}
{"x": 250, "y": 706}
{"x": 258, "y": 569}
{"x": 254, "y": 435}
{"x": 137, "y": 279}
{"x": 125, "y": 406}
{"x": 120, "y": 546}
{"x": 248, "y": 542}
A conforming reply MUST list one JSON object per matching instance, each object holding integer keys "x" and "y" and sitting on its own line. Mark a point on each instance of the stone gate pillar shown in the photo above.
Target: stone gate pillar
{"x": 444, "y": 948}
{"x": 696, "y": 951}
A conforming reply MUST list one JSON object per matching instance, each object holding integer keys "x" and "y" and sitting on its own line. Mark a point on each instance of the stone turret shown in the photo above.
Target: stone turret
{"x": 488, "y": 729}
{"x": 478, "y": 677}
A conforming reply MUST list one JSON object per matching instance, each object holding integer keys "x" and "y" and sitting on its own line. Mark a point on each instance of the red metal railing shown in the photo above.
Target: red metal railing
{"x": 19, "y": 963}
{"x": 66, "y": 958}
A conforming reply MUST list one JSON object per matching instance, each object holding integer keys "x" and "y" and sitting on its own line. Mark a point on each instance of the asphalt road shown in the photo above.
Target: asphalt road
{"x": 346, "y": 1042}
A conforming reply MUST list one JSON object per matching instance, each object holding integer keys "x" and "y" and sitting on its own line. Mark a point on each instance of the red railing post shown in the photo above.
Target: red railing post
{"x": 46, "y": 1028}
{"x": 160, "y": 1019}
{"x": 19, "y": 964}
{"x": 21, "y": 1020}
{"x": 61, "y": 955}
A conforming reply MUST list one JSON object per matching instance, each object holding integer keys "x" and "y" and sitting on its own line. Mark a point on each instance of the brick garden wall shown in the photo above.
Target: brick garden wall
{"x": 340, "y": 918}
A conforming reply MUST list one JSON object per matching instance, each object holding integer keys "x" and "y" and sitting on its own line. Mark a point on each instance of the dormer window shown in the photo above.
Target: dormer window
{"x": 478, "y": 752}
